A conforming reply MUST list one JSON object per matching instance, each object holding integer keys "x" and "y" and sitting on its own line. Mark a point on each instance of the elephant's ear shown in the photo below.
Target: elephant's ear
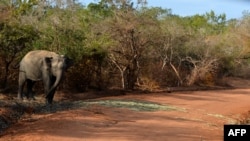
{"x": 68, "y": 63}
{"x": 48, "y": 61}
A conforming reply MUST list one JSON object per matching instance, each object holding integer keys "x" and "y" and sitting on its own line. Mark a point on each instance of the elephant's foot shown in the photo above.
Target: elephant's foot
{"x": 19, "y": 99}
{"x": 50, "y": 108}
{"x": 32, "y": 98}
{"x": 25, "y": 99}
{"x": 22, "y": 99}
{"x": 19, "y": 96}
{"x": 49, "y": 100}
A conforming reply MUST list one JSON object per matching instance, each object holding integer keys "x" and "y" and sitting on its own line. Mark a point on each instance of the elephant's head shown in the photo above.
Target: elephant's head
{"x": 56, "y": 67}
{"x": 58, "y": 64}
{"x": 67, "y": 62}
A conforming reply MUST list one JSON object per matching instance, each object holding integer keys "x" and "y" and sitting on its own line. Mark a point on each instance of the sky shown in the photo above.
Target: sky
{"x": 232, "y": 8}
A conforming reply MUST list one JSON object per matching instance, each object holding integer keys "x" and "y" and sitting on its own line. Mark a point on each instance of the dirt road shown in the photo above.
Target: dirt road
{"x": 178, "y": 116}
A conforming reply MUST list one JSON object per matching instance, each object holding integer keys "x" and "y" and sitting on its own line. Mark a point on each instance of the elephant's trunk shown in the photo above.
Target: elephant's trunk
{"x": 52, "y": 90}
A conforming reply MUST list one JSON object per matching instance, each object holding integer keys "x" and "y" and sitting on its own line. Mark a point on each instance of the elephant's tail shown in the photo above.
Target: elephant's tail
{"x": 16, "y": 66}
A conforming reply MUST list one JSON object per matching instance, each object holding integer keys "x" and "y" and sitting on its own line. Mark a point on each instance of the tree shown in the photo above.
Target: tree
{"x": 14, "y": 36}
{"x": 130, "y": 32}
{"x": 171, "y": 49}
{"x": 13, "y": 39}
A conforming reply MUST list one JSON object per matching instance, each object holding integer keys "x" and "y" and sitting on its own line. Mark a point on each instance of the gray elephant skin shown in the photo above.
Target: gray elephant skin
{"x": 42, "y": 65}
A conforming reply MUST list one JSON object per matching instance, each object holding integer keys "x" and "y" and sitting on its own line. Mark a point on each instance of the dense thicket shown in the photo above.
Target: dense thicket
{"x": 118, "y": 43}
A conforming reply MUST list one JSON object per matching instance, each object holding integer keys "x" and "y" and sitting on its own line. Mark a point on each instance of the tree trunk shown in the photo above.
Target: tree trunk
{"x": 176, "y": 72}
{"x": 5, "y": 80}
{"x": 132, "y": 72}
{"x": 122, "y": 79}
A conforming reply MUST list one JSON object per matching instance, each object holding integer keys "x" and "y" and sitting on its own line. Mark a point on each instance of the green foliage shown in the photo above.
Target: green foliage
{"x": 14, "y": 38}
{"x": 207, "y": 24}
{"x": 23, "y": 7}
{"x": 100, "y": 10}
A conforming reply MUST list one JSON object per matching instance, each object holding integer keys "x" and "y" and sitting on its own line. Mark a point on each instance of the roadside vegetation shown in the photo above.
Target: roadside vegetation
{"x": 124, "y": 44}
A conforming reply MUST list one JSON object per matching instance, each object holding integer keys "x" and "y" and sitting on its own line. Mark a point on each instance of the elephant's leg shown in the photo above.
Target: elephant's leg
{"x": 46, "y": 88}
{"x": 30, "y": 85}
{"x": 21, "y": 83}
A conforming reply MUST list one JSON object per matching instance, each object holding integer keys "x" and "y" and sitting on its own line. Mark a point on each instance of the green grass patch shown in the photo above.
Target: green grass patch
{"x": 229, "y": 120}
{"x": 135, "y": 105}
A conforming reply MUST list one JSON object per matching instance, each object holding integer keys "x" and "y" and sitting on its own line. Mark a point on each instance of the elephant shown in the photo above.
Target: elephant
{"x": 42, "y": 65}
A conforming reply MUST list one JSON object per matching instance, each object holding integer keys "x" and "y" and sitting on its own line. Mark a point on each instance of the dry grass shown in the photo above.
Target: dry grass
{"x": 244, "y": 118}
{"x": 147, "y": 84}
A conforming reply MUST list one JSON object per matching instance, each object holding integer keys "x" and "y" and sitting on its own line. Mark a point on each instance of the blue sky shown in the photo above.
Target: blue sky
{"x": 232, "y": 8}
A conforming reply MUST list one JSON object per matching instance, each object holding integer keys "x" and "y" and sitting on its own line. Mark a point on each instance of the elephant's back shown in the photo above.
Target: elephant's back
{"x": 40, "y": 54}
{"x": 34, "y": 59}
